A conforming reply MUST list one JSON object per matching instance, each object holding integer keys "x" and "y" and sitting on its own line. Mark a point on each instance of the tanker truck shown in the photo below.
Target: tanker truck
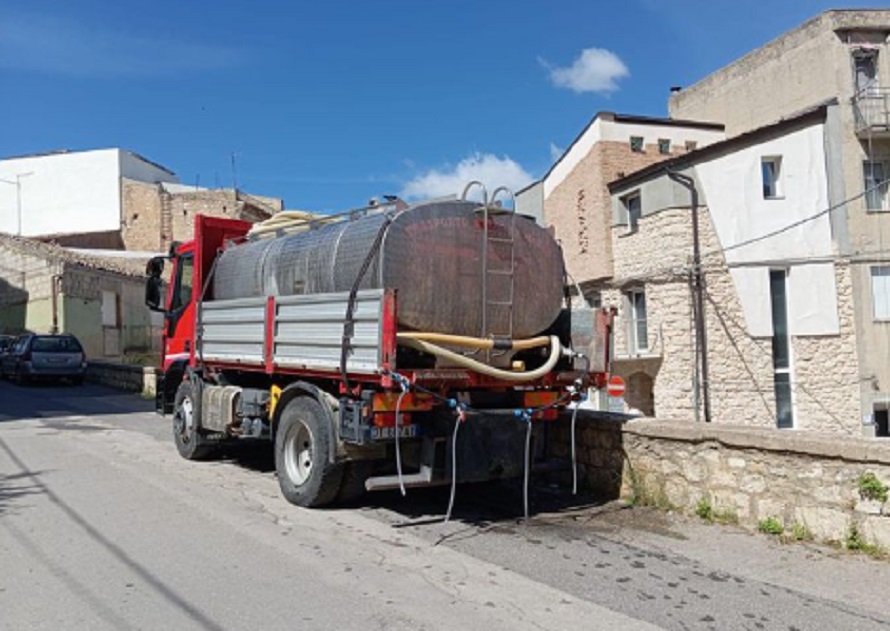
{"x": 392, "y": 346}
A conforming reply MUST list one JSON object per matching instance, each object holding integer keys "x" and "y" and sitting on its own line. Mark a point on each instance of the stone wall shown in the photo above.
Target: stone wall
{"x": 580, "y": 209}
{"x": 744, "y": 474}
{"x": 657, "y": 258}
{"x": 141, "y": 379}
{"x": 25, "y": 291}
{"x": 152, "y": 217}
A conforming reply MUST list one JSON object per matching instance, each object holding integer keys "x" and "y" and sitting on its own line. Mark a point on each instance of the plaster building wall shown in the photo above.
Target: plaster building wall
{"x": 811, "y": 63}
{"x": 800, "y": 68}
{"x": 62, "y": 193}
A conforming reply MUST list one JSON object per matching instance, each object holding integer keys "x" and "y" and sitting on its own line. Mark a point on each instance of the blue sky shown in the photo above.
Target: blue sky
{"x": 327, "y": 104}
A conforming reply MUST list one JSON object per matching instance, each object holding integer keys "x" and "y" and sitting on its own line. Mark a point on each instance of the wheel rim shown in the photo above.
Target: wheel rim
{"x": 298, "y": 454}
{"x": 185, "y": 419}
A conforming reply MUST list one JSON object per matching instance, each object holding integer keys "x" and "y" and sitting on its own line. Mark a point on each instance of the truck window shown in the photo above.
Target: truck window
{"x": 182, "y": 288}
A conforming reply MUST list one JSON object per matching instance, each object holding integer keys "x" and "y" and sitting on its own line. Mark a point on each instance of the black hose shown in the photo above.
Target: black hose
{"x": 349, "y": 323}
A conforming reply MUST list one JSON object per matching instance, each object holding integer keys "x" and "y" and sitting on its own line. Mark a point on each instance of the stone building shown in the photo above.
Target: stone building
{"x": 842, "y": 55}
{"x": 573, "y": 197}
{"x": 778, "y": 301}
{"x": 111, "y": 199}
{"x": 45, "y": 288}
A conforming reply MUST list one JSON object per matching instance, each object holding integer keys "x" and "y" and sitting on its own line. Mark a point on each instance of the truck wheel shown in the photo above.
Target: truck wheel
{"x": 352, "y": 487}
{"x": 302, "y": 444}
{"x": 189, "y": 442}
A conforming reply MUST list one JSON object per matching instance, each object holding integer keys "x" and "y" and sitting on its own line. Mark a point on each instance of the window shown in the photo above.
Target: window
{"x": 633, "y": 209}
{"x": 882, "y": 422}
{"x": 865, "y": 69}
{"x": 771, "y": 172}
{"x": 880, "y": 291}
{"x": 664, "y": 146}
{"x": 637, "y": 328}
{"x": 781, "y": 349}
{"x": 636, "y": 144}
{"x": 691, "y": 145}
{"x": 875, "y": 185}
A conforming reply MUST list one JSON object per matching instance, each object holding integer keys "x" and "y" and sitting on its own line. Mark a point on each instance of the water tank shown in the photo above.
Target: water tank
{"x": 431, "y": 253}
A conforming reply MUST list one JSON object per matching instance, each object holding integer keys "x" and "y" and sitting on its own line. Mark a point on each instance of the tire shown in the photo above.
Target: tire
{"x": 190, "y": 444}
{"x": 352, "y": 486}
{"x": 302, "y": 444}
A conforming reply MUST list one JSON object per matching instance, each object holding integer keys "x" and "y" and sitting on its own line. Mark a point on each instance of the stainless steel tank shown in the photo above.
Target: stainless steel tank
{"x": 432, "y": 253}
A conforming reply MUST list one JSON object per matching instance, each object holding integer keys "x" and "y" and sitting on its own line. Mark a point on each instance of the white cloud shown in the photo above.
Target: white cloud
{"x": 62, "y": 46}
{"x": 595, "y": 70}
{"x": 487, "y": 168}
{"x": 555, "y": 152}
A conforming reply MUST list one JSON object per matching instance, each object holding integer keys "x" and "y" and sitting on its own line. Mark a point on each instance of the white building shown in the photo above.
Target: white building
{"x": 70, "y": 192}
{"x": 779, "y": 316}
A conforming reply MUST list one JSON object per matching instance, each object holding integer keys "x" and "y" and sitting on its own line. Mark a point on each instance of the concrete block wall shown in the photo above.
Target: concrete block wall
{"x": 140, "y": 379}
{"x": 744, "y": 473}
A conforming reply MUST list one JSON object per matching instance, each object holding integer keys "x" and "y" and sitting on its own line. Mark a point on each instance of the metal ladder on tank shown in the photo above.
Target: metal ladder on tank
{"x": 489, "y": 209}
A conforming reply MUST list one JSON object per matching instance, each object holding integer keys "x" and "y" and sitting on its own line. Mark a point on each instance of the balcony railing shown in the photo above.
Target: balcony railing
{"x": 871, "y": 109}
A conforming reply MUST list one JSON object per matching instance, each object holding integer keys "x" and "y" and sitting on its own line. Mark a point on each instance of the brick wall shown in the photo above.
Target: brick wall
{"x": 580, "y": 209}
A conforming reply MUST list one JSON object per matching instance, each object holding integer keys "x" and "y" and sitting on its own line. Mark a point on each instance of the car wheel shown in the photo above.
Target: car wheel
{"x": 302, "y": 444}
{"x": 190, "y": 444}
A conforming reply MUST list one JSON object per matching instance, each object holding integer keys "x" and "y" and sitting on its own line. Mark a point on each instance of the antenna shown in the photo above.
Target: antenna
{"x": 234, "y": 173}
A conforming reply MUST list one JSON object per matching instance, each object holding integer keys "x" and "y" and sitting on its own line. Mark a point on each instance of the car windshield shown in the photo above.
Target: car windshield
{"x": 55, "y": 345}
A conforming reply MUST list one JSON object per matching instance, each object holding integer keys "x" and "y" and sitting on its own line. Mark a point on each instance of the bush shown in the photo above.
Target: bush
{"x": 871, "y": 488}
{"x": 771, "y": 526}
{"x": 704, "y": 510}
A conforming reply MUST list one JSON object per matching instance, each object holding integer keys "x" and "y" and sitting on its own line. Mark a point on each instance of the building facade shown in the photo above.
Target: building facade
{"x": 45, "y": 289}
{"x": 111, "y": 199}
{"x": 842, "y": 56}
{"x": 779, "y": 325}
{"x": 573, "y": 197}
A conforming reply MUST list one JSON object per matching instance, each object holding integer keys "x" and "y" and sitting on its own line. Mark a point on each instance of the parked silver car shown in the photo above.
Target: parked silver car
{"x": 44, "y": 356}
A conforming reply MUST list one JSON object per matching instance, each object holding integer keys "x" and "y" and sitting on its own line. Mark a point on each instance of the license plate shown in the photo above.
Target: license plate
{"x": 382, "y": 433}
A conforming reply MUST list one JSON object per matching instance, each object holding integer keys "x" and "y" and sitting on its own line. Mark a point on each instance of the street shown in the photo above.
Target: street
{"x": 104, "y": 526}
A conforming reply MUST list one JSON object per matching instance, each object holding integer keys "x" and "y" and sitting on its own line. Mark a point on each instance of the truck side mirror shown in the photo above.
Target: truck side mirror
{"x": 153, "y": 287}
{"x": 155, "y": 267}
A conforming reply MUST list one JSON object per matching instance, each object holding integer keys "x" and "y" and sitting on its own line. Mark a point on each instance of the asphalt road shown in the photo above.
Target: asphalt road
{"x": 103, "y": 526}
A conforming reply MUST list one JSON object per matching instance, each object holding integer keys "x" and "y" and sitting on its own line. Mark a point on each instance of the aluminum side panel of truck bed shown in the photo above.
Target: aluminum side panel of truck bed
{"x": 307, "y": 331}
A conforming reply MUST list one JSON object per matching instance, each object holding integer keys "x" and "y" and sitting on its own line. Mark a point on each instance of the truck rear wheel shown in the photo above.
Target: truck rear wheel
{"x": 302, "y": 444}
{"x": 190, "y": 444}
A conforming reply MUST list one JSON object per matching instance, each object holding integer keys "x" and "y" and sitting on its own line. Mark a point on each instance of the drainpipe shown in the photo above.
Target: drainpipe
{"x": 698, "y": 290}
{"x": 56, "y": 282}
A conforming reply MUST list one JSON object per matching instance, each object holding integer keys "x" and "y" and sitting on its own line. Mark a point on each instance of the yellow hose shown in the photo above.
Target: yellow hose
{"x": 474, "y": 342}
{"x": 485, "y": 369}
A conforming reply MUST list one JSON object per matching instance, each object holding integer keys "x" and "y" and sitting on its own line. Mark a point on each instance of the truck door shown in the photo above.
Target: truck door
{"x": 179, "y": 330}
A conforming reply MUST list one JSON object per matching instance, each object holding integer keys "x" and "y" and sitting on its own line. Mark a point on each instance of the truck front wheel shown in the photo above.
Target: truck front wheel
{"x": 190, "y": 444}
{"x": 302, "y": 444}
